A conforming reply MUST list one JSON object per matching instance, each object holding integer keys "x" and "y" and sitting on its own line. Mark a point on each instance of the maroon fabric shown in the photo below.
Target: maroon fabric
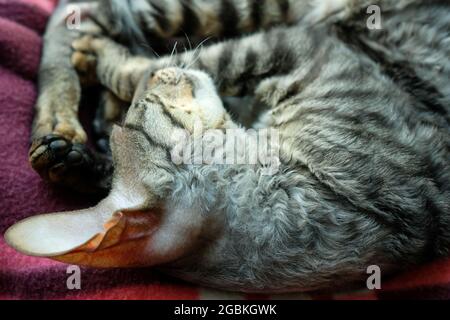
{"x": 23, "y": 193}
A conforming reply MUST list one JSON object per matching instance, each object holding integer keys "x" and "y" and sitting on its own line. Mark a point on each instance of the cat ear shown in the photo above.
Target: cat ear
{"x": 91, "y": 237}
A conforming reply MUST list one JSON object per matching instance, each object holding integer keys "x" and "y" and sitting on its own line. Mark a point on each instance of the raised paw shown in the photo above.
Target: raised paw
{"x": 88, "y": 48}
{"x": 89, "y": 43}
{"x": 73, "y": 165}
{"x": 84, "y": 59}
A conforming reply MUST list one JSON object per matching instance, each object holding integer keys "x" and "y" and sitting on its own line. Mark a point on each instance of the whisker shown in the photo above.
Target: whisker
{"x": 203, "y": 41}
{"x": 183, "y": 66}
{"x": 189, "y": 41}
{"x": 150, "y": 47}
{"x": 198, "y": 52}
{"x": 169, "y": 60}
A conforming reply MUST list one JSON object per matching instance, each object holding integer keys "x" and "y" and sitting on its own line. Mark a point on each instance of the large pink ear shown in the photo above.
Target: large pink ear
{"x": 92, "y": 237}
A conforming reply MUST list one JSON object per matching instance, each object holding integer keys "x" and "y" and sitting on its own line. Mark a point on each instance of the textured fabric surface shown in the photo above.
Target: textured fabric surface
{"x": 22, "y": 194}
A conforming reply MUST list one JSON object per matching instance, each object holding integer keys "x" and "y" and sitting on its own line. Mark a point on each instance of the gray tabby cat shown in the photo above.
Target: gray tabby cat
{"x": 362, "y": 116}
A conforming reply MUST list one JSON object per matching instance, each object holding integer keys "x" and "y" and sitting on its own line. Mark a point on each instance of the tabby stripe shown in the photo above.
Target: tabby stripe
{"x": 350, "y": 75}
{"x": 357, "y": 95}
{"x": 375, "y": 117}
{"x": 401, "y": 73}
{"x": 313, "y": 74}
{"x": 256, "y": 12}
{"x": 104, "y": 29}
{"x": 143, "y": 19}
{"x": 383, "y": 216}
{"x": 149, "y": 139}
{"x": 284, "y": 9}
{"x": 304, "y": 111}
{"x": 224, "y": 61}
{"x": 434, "y": 171}
{"x": 373, "y": 137}
{"x": 154, "y": 99}
{"x": 140, "y": 107}
{"x": 161, "y": 16}
{"x": 229, "y": 17}
{"x": 191, "y": 22}
{"x": 130, "y": 86}
{"x": 247, "y": 76}
{"x": 293, "y": 90}
{"x": 329, "y": 138}
{"x": 283, "y": 58}
{"x": 401, "y": 217}
{"x": 153, "y": 143}
{"x": 340, "y": 127}
{"x": 351, "y": 125}
{"x": 172, "y": 119}
{"x": 422, "y": 90}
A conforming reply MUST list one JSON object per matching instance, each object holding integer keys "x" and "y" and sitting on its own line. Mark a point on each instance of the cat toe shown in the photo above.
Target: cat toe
{"x": 88, "y": 43}
{"x": 83, "y": 43}
{"x": 85, "y": 64}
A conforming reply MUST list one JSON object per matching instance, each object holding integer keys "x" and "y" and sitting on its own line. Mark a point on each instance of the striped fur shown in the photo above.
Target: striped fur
{"x": 364, "y": 125}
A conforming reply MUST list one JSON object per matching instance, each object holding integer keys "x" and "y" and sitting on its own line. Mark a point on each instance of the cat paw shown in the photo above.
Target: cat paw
{"x": 87, "y": 48}
{"x": 58, "y": 119}
{"x": 84, "y": 60}
{"x": 91, "y": 50}
{"x": 88, "y": 43}
{"x": 62, "y": 162}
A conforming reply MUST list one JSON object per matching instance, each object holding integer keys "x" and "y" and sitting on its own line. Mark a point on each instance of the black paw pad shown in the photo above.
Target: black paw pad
{"x": 73, "y": 165}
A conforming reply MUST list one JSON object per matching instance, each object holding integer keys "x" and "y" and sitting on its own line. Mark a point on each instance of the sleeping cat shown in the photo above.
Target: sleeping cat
{"x": 364, "y": 143}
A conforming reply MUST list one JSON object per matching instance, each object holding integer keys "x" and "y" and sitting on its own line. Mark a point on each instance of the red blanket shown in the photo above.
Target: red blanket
{"x": 22, "y": 194}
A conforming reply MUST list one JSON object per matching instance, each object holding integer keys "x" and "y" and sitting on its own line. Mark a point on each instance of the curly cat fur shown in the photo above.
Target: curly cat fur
{"x": 364, "y": 129}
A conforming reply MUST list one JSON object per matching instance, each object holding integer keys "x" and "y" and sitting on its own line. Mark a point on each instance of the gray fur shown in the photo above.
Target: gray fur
{"x": 365, "y": 173}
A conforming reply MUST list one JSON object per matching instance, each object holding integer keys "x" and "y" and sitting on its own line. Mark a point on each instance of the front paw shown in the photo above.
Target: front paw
{"x": 84, "y": 59}
{"x": 62, "y": 162}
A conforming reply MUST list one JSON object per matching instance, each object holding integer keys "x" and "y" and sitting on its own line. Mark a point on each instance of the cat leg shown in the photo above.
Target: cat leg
{"x": 111, "y": 63}
{"x": 58, "y": 150}
{"x": 198, "y": 18}
{"x": 59, "y": 89}
{"x": 236, "y": 66}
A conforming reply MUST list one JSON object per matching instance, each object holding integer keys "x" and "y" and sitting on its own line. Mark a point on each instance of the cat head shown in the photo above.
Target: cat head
{"x": 143, "y": 221}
